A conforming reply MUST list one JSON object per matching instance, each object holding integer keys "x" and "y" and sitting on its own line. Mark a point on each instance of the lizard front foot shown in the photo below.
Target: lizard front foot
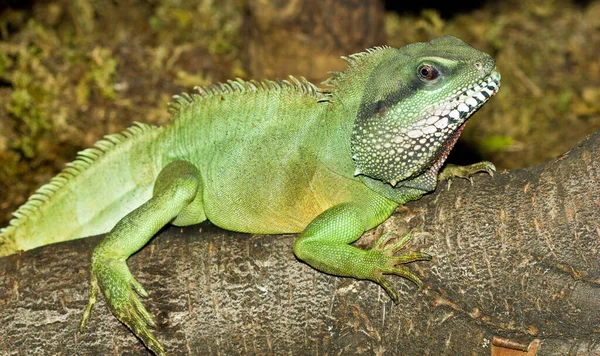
{"x": 121, "y": 290}
{"x": 385, "y": 261}
{"x": 451, "y": 171}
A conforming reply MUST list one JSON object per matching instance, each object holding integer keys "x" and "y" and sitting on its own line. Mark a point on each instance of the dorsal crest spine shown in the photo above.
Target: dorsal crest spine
{"x": 240, "y": 86}
{"x": 354, "y": 61}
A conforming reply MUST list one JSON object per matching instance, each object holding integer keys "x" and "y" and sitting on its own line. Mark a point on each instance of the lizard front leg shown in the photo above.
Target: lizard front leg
{"x": 452, "y": 170}
{"x": 325, "y": 245}
{"x": 176, "y": 197}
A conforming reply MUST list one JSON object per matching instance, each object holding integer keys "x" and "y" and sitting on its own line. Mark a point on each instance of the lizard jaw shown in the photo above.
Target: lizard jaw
{"x": 428, "y": 141}
{"x": 474, "y": 99}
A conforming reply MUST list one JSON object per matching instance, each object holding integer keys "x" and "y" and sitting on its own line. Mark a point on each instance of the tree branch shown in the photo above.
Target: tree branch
{"x": 516, "y": 256}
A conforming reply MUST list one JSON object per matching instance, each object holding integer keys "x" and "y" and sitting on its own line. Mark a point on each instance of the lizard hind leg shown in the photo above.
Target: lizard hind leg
{"x": 193, "y": 212}
{"x": 175, "y": 197}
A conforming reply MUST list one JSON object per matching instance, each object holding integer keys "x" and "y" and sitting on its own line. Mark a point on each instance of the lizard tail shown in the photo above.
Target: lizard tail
{"x": 90, "y": 195}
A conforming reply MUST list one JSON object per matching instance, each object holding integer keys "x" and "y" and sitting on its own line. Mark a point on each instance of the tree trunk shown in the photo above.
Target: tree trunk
{"x": 516, "y": 258}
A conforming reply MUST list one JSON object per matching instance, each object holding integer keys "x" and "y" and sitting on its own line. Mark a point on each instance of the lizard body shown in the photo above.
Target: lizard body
{"x": 269, "y": 157}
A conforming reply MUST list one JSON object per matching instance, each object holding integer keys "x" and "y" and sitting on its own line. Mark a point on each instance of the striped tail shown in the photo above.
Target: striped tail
{"x": 91, "y": 194}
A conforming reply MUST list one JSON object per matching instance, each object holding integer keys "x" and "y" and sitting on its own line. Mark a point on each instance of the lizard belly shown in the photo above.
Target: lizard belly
{"x": 264, "y": 204}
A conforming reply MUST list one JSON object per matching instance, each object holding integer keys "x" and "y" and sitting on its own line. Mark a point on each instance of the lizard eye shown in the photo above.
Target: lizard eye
{"x": 427, "y": 73}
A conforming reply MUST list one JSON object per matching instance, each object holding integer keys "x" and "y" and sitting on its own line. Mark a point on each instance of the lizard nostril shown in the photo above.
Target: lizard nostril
{"x": 478, "y": 65}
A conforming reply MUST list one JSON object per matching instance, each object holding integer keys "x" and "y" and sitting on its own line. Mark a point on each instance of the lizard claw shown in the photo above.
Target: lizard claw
{"x": 385, "y": 261}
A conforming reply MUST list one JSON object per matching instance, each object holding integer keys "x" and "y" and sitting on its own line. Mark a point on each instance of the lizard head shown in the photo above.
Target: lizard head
{"x": 416, "y": 102}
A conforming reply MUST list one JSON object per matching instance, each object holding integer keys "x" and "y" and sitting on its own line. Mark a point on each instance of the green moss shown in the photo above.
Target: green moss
{"x": 214, "y": 25}
{"x": 102, "y": 71}
{"x": 5, "y": 64}
{"x": 29, "y": 99}
{"x": 496, "y": 143}
{"x": 564, "y": 100}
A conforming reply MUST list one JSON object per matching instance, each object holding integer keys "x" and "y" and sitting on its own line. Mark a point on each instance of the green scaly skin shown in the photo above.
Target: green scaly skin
{"x": 270, "y": 158}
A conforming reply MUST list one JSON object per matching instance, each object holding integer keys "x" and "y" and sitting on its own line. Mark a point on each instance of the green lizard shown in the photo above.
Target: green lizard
{"x": 270, "y": 158}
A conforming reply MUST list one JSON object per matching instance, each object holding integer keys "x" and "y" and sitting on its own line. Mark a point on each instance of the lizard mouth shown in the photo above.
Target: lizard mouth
{"x": 428, "y": 141}
{"x": 446, "y": 117}
{"x": 464, "y": 105}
